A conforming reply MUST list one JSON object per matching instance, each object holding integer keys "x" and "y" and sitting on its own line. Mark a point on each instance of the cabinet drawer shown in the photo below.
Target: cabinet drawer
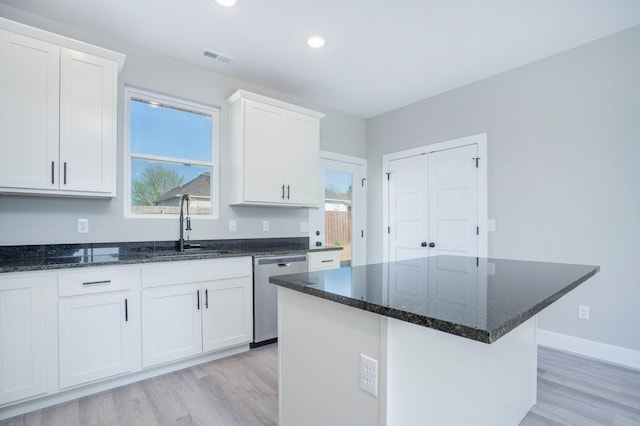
{"x": 93, "y": 280}
{"x": 193, "y": 271}
{"x": 324, "y": 260}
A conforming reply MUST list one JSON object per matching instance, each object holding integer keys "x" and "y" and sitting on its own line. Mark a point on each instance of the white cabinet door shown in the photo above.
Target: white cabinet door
{"x": 263, "y": 153}
{"x": 171, "y": 323}
{"x": 227, "y": 315}
{"x": 87, "y": 122}
{"x": 96, "y": 336}
{"x": 302, "y": 159}
{"x": 28, "y": 112}
{"x": 23, "y": 346}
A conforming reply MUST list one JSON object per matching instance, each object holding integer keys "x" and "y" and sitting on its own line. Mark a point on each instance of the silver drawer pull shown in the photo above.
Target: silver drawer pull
{"x": 327, "y": 261}
{"x": 97, "y": 282}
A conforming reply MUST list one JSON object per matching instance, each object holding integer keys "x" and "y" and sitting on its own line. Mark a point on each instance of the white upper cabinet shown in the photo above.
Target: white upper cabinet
{"x": 58, "y": 114}
{"x": 274, "y": 152}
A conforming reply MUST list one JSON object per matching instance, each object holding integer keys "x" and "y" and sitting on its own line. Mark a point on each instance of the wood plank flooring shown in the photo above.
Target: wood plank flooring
{"x": 243, "y": 390}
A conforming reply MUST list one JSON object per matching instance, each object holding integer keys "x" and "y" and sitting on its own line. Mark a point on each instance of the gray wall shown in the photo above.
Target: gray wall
{"x": 564, "y": 172}
{"x": 39, "y": 220}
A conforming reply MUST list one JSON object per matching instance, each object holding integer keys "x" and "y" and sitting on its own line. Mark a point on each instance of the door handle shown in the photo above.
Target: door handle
{"x": 288, "y": 192}
{"x": 206, "y": 298}
{"x": 423, "y": 244}
{"x": 283, "y": 192}
{"x": 198, "y": 298}
{"x": 432, "y": 244}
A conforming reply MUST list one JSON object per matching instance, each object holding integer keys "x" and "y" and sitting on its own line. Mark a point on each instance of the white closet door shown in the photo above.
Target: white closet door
{"x": 453, "y": 201}
{"x": 408, "y": 207}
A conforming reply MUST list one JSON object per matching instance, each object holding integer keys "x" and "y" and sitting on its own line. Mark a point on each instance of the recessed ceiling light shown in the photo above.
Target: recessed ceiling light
{"x": 226, "y": 3}
{"x": 315, "y": 42}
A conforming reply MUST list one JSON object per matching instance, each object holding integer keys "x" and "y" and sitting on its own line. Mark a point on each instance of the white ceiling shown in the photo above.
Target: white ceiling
{"x": 380, "y": 55}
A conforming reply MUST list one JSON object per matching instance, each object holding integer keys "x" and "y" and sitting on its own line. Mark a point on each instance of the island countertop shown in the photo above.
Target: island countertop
{"x": 477, "y": 298}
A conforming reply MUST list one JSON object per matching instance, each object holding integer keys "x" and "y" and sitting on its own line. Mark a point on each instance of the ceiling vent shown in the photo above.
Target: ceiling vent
{"x": 218, "y": 57}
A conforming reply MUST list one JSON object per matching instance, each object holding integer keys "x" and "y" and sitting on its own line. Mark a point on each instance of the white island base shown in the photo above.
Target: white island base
{"x": 426, "y": 377}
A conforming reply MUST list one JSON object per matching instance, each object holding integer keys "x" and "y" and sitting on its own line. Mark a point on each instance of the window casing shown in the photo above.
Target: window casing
{"x": 171, "y": 149}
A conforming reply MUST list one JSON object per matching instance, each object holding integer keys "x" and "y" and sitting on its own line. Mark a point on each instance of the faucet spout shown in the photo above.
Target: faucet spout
{"x": 187, "y": 198}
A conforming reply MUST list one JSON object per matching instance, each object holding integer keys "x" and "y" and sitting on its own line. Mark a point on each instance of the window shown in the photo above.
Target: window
{"x": 172, "y": 150}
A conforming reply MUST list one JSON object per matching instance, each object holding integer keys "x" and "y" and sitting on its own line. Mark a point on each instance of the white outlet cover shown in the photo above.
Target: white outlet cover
{"x": 304, "y": 227}
{"x": 491, "y": 225}
{"x": 265, "y": 225}
{"x": 232, "y": 225}
{"x": 369, "y": 375}
{"x": 83, "y": 226}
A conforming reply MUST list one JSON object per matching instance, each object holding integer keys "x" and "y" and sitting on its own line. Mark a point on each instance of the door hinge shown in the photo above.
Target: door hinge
{"x": 477, "y": 230}
{"x": 363, "y": 179}
{"x": 388, "y": 175}
{"x": 476, "y": 160}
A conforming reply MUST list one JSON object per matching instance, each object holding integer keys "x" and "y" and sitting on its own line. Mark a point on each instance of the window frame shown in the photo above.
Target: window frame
{"x": 145, "y": 95}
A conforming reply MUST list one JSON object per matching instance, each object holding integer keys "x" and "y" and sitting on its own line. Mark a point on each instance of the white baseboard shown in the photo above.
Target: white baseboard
{"x": 600, "y": 351}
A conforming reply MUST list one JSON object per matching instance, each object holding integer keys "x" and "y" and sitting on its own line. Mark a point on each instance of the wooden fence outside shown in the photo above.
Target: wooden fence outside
{"x": 337, "y": 230}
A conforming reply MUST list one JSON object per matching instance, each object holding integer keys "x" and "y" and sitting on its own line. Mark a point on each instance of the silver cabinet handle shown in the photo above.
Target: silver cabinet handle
{"x": 327, "y": 261}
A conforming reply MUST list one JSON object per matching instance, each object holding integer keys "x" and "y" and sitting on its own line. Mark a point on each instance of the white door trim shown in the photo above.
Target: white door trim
{"x": 481, "y": 141}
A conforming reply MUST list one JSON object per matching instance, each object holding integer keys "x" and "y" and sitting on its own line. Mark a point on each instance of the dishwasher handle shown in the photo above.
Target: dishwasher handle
{"x": 284, "y": 265}
{"x": 280, "y": 260}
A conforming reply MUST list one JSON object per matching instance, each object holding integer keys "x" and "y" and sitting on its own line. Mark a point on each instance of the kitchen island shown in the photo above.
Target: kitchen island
{"x": 453, "y": 340}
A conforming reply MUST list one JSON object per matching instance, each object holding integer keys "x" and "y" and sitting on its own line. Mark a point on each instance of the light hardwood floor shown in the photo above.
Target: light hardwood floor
{"x": 243, "y": 390}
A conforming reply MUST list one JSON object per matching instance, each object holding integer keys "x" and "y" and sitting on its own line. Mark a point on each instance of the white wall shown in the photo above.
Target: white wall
{"x": 41, "y": 220}
{"x": 564, "y": 172}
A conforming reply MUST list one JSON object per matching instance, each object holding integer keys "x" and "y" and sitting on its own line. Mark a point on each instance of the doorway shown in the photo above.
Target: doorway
{"x": 340, "y": 220}
{"x": 435, "y": 200}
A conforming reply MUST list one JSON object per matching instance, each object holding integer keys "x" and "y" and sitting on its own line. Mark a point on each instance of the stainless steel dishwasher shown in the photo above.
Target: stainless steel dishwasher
{"x": 265, "y": 294}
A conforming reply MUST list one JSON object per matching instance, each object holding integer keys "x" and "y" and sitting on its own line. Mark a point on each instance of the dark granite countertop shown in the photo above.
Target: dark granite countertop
{"x": 61, "y": 256}
{"x": 477, "y": 298}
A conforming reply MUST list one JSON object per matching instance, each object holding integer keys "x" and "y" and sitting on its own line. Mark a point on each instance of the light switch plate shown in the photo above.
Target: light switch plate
{"x": 491, "y": 225}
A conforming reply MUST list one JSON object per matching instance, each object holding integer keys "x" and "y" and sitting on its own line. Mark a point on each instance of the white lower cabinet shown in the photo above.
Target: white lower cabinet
{"x": 96, "y": 337}
{"x": 105, "y": 324}
{"x": 227, "y": 318}
{"x": 98, "y": 325}
{"x": 193, "y": 307}
{"x": 23, "y": 343}
{"x": 171, "y": 323}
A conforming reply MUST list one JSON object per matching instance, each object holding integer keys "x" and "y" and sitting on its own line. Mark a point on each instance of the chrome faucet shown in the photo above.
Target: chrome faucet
{"x": 186, "y": 197}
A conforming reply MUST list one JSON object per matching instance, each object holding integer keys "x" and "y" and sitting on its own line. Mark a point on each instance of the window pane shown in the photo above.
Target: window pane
{"x": 168, "y": 132}
{"x": 337, "y": 212}
{"x": 156, "y": 187}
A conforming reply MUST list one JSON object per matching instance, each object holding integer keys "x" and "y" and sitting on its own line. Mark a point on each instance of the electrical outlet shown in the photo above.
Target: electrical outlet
{"x": 491, "y": 225}
{"x": 83, "y": 226}
{"x": 232, "y": 225}
{"x": 369, "y": 375}
{"x": 265, "y": 225}
{"x": 583, "y": 312}
{"x": 304, "y": 227}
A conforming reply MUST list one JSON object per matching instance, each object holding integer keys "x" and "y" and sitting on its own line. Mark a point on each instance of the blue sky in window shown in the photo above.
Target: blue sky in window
{"x": 168, "y": 132}
{"x": 337, "y": 181}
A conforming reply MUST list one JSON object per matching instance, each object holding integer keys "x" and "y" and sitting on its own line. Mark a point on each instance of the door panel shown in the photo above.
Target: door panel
{"x": 408, "y": 207}
{"x": 453, "y": 201}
